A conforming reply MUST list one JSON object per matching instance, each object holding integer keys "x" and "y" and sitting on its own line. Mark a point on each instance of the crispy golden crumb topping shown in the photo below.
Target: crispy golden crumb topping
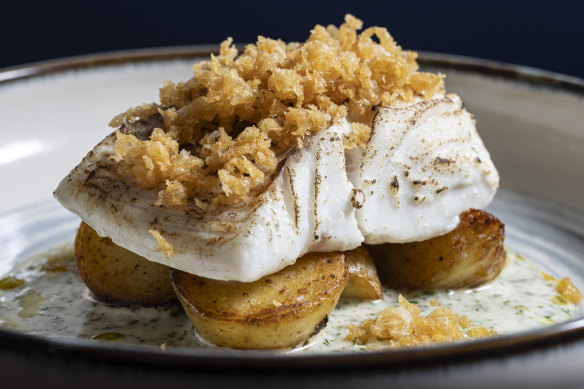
{"x": 568, "y": 290}
{"x": 565, "y": 288}
{"x": 225, "y": 129}
{"x": 404, "y": 326}
{"x": 163, "y": 245}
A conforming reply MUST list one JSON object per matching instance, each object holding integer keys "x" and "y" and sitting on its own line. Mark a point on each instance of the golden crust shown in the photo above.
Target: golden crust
{"x": 224, "y": 130}
{"x": 278, "y": 311}
{"x": 470, "y": 255}
{"x": 116, "y": 275}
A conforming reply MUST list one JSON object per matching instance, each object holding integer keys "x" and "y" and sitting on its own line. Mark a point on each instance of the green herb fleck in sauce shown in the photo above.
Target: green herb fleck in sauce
{"x": 518, "y": 300}
{"x": 108, "y": 336}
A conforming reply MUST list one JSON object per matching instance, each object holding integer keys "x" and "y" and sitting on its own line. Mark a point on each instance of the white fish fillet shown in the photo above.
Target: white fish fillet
{"x": 424, "y": 164}
{"x": 321, "y": 199}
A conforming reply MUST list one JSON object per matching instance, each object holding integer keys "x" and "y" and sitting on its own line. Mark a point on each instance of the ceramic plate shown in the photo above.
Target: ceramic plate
{"x": 531, "y": 122}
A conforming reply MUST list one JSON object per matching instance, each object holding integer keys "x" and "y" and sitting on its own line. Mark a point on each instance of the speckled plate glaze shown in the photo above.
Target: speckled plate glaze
{"x": 530, "y": 120}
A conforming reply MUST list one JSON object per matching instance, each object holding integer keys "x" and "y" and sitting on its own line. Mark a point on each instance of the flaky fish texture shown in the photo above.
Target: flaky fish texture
{"x": 423, "y": 165}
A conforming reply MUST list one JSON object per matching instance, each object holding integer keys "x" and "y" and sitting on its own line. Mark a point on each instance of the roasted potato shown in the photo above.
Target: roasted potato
{"x": 116, "y": 275}
{"x": 467, "y": 257}
{"x": 363, "y": 280}
{"x": 278, "y": 311}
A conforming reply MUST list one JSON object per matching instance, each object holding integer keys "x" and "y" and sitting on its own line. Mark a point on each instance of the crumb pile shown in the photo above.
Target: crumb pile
{"x": 404, "y": 326}
{"x": 225, "y": 130}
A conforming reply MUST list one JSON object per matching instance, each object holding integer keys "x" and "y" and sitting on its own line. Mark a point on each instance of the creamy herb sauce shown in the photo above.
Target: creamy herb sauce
{"x": 57, "y": 304}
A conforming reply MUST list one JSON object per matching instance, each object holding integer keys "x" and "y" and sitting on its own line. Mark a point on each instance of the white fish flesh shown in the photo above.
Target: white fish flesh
{"x": 424, "y": 164}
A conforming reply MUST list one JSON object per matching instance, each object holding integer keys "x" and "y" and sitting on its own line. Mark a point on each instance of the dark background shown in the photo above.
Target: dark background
{"x": 547, "y": 35}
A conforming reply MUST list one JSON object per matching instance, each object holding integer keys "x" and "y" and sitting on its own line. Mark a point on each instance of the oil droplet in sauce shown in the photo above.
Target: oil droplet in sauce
{"x": 9, "y": 283}
{"x": 30, "y": 303}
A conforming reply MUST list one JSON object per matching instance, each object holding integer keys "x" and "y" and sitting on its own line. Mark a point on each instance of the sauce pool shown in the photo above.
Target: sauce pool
{"x": 52, "y": 301}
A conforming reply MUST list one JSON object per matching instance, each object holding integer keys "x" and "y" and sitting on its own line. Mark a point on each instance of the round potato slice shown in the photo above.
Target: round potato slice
{"x": 116, "y": 275}
{"x": 470, "y": 255}
{"x": 278, "y": 311}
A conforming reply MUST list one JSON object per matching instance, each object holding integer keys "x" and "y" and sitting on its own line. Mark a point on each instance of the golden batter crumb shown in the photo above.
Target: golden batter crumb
{"x": 225, "y": 129}
{"x": 142, "y": 112}
{"x": 163, "y": 244}
{"x": 404, "y": 326}
{"x": 358, "y": 137}
{"x": 567, "y": 289}
{"x": 548, "y": 277}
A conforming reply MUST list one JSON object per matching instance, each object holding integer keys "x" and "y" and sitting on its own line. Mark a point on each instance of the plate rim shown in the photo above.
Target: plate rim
{"x": 180, "y": 358}
{"x": 425, "y": 58}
